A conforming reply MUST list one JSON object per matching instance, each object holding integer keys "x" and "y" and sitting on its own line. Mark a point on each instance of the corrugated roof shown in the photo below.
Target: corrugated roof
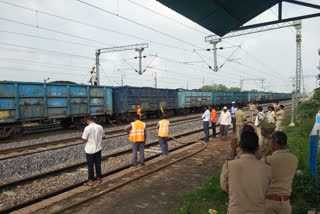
{"x": 219, "y": 16}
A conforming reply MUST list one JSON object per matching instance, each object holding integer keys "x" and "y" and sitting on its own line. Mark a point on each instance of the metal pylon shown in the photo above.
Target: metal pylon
{"x": 298, "y": 59}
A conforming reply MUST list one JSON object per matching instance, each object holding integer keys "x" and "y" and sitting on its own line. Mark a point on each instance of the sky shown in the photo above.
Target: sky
{"x": 41, "y": 39}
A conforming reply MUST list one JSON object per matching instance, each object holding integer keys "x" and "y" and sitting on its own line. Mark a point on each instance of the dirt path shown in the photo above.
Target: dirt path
{"x": 159, "y": 192}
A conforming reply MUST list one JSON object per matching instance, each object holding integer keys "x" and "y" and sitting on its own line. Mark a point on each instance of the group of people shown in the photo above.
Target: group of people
{"x": 93, "y": 77}
{"x": 93, "y": 135}
{"x": 237, "y": 118}
{"x": 259, "y": 185}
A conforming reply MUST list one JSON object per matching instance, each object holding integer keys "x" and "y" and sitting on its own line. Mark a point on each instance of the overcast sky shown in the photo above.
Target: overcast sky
{"x": 40, "y": 41}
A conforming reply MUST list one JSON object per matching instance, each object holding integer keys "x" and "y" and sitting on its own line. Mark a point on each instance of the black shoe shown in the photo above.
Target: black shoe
{"x": 142, "y": 164}
{"x": 133, "y": 165}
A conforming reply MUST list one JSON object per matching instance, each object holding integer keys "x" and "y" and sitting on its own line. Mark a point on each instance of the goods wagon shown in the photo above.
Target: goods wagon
{"x": 126, "y": 99}
{"x": 22, "y": 102}
{"x": 193, "y": 100}
{"x": 221, "y": 98}
{"x": 241, "y": 98}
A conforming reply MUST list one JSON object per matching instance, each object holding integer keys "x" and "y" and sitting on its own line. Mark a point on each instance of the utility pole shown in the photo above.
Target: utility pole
{"x": 136, "y": 47}
{"x": 202, "y": 81}
{"x": 187, "y": 85}
{"x": 293, "y": 102}
{"x": 298, "y": 59}
{"x": 122, "y": 77}
{"x": 155, "y": 80}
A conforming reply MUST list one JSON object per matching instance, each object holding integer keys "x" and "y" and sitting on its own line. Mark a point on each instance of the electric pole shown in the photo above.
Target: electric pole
{"x": 155, "y": 80}
{"x": 136, "y": 47}
{"x": 202, "y": 81}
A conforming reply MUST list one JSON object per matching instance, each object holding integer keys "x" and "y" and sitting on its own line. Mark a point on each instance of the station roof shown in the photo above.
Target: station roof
{"x": 220, "y": 16}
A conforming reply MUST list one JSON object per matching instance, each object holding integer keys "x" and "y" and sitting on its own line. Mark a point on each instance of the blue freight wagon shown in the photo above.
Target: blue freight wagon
{"x": 126, "y": 99}
{"x": 222, "y": 98}
{"x": 241, "y": 98}
{"x": 193, "y": 100}
{"x": 22, "y": 102}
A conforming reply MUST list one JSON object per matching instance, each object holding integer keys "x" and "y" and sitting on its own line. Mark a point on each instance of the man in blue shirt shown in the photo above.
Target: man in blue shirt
{"x": 206, "y": 119}
{"x": 233, "y": 110}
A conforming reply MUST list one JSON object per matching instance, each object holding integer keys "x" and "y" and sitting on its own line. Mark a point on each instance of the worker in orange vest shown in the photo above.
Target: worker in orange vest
{"x": 139, "y": 111}
{"x": 137, "y": 136}
{"x": 213, "y": 121}
{"x": 163, "y": 134}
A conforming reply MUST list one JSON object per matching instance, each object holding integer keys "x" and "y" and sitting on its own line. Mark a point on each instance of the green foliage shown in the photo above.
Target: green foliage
{"x": 234, "y": 89}
{"x": 254, "y": 90}
{"x": 210, "y": 196}
{"x": 316, "y": 95}
{"x": 305, "y": 189}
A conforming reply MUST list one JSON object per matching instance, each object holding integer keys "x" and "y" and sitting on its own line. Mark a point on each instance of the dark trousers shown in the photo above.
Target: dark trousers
{"x": 214, "y": 133}
{"x": 96, "y": 160}
{"x": 163, "y": 141}
{"x": 224, "y": 130}
{"x": 234, "y": 128}
{"x": 206, "y": 130}
{"x": 137, "y": 146}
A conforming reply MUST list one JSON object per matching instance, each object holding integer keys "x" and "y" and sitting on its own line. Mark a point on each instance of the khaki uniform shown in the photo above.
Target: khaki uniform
{"x": 272, "y": 117}
{"x": 246, "y": 180}
{"x": 260, "y": 116}
{"x": 284, "y": 166}
{"x": 279, "y": 118}
{"x": 252, "y": 108}
{"x": 240, "y": 117}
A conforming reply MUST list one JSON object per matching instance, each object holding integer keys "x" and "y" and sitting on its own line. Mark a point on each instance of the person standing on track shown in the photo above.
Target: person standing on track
{"x": 239, "y": 118}
{"x": 233, "y": 110}
{"x": 284, "y": 166}
{"x": 206, "y": 119}
{"x": 163, "y": 134}
{"x": 252, "y": 108}
{"x": 92, "y": 136}
{"x": 213, "y": 121}
{"x": 137, "y": 136}
{"x": 225, "y": 122}
{"x": 139, "y": 111}
{"x": 279, "y": 118}
{"x": 246, "y": 179}
{"x": 260, "y": 117}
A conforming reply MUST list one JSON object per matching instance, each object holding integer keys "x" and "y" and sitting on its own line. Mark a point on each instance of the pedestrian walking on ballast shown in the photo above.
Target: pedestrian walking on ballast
{"x": 233, "y": 119}
{"x": 137, "y": 136}
{"x": 213, "y": 121}
{"x": 206, "y": 119}
{"x": 92, "y": 136}
{"x": 225, "y": 122}
{"x": 163, "y": 134}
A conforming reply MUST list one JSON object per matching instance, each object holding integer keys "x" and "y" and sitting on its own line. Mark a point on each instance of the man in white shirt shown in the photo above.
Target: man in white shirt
{"x": 92, "y": 136}
{"x": 225, "y": 122}
{"x": 206, "y": 119}
{"x": 93, "y": 79}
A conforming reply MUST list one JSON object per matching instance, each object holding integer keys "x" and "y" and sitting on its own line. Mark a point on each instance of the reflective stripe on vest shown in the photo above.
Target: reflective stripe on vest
{"x": 163, "y": 128}
{"x": 137, "y": 131}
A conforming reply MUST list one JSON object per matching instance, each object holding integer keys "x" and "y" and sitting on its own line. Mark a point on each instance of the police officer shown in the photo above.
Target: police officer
{"x": 279, "y": 117}
{"x": 137, "y": 136}
{"x": 284, "y": 166}
{"x": 163, "y": 134}
{"x": 240, "y": 118}
{"x": 252, "y": 108}
{"x": 238, "y": 177}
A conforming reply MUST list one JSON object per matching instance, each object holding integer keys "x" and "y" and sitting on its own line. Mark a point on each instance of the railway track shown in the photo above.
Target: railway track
{"x": 31, "y": 149}
{"x": 152, "y": 151}
{"x": 63, "y": 143}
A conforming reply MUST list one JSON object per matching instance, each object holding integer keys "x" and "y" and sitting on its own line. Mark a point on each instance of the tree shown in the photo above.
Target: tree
{"x": 254, "y": 91}
{"x": 220, "y": 87}
{"x": 234, "y": 89}
{"x": 207, "y": 88}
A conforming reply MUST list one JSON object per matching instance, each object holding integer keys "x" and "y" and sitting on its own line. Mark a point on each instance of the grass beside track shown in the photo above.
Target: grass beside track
{"x": 305, "y": 189}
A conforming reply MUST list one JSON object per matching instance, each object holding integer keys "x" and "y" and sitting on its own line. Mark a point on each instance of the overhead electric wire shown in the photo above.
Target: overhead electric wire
{"x": 137, "y": 23}
{"x": 181, "y": 23}
{"x": 94, "y": 26}
{"x": 55, "y": 31}
{"x": 46, "y": 38}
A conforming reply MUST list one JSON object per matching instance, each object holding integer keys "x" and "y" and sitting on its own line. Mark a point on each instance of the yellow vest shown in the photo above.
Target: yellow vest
{"x": 137, "y": 131}
{"x": 163, "y": 128}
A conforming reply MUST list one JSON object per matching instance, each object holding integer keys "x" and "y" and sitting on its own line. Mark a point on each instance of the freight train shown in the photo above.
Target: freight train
{"x": 24, "y": 102}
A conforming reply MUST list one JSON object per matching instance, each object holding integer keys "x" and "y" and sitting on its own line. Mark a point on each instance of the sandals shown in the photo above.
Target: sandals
{"x": 88, "y": 183}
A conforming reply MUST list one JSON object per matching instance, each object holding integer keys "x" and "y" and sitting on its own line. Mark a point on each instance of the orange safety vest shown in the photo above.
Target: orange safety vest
{"x": 137, "y": 131}
{"x": 139, "y": 111}
{"x": 213, "y": 116}
{"x": 163, "y": 128}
